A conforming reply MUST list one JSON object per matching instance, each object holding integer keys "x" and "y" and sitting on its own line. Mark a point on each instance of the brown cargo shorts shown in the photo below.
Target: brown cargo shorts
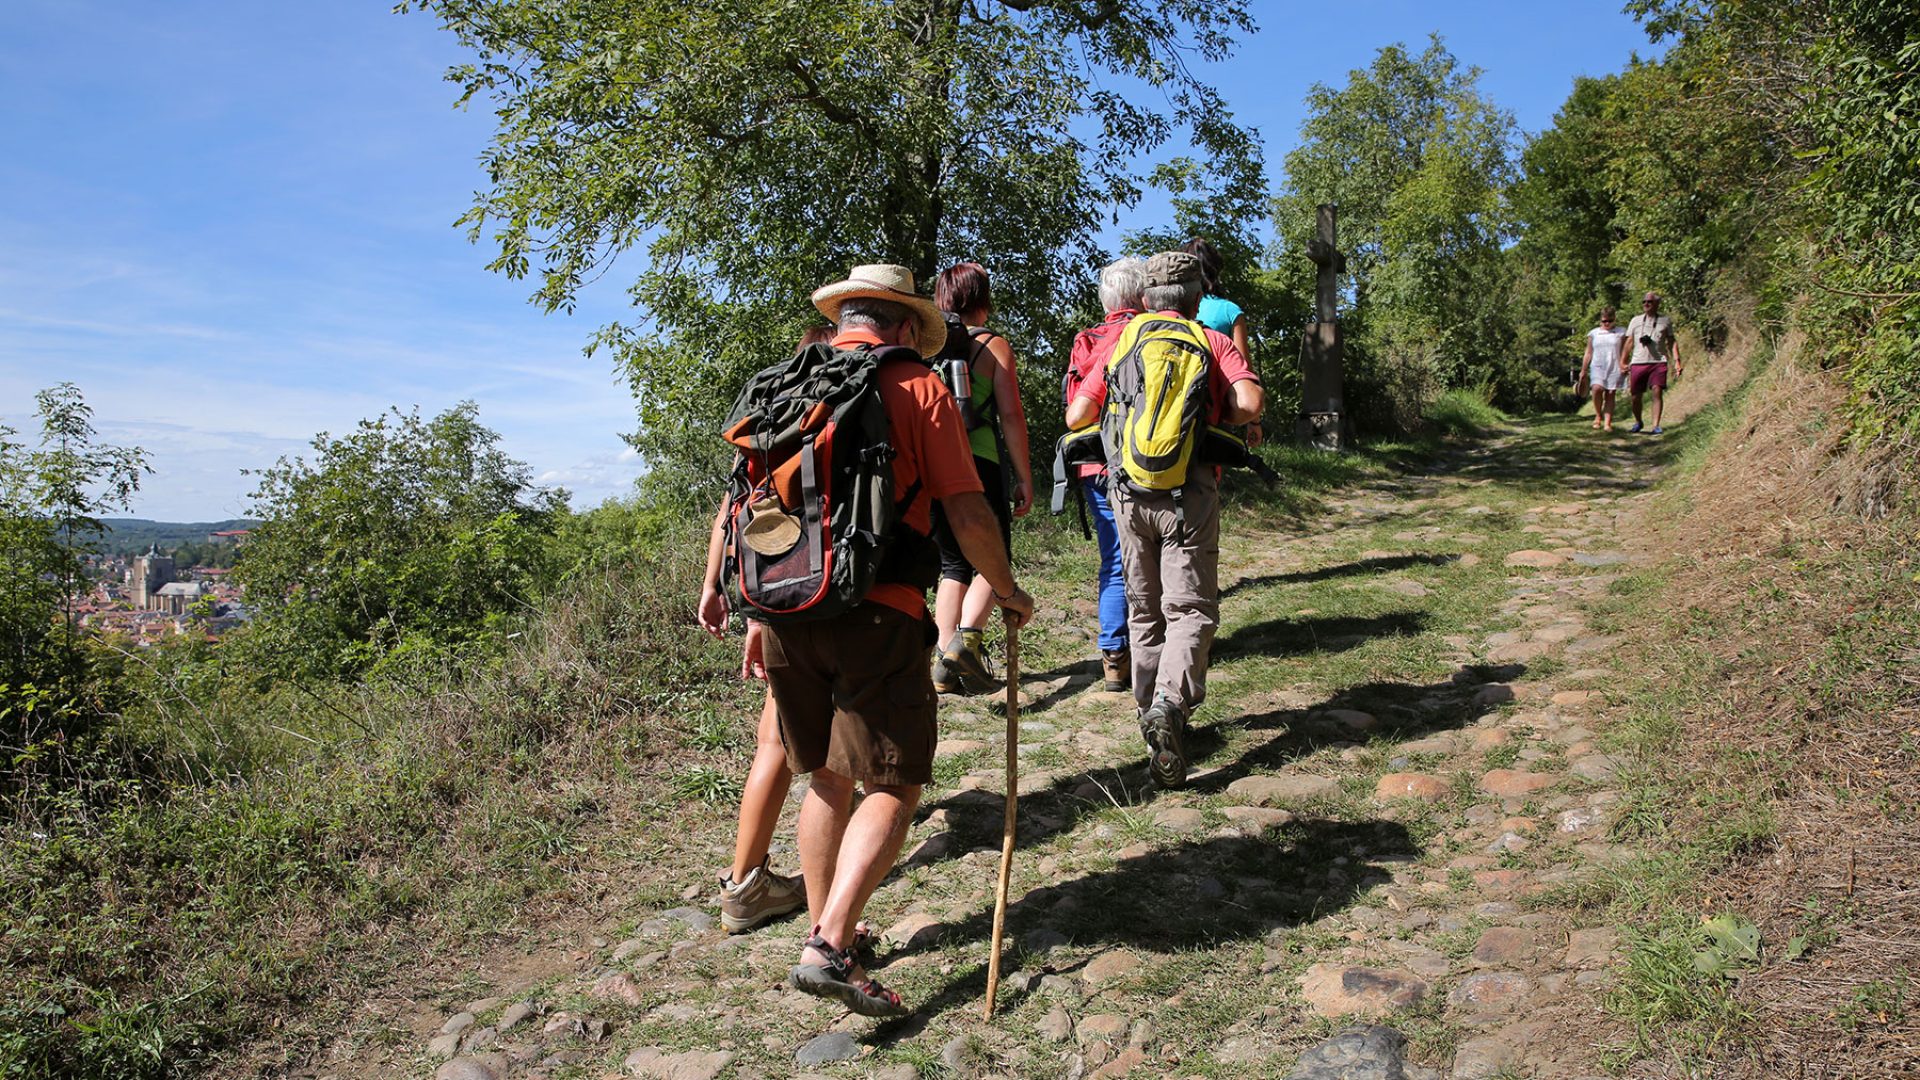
{"x": 855, "y": 694}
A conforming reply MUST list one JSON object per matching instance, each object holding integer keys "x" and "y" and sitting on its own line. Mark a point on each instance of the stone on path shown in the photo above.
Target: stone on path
{"x": 1505, "y": 946}
{"x": 1182, "y": 819}
{"x": 457, "y": 1023}
{"x": 1129, "y": 1059}
{"x": 1107, "y": 967}
{"x": 1592, "y": 948}
{"x": 618, "y": 986}
{"x": 653, "y": 1063}
{"x": 1532, "y": 557}
{"x": 915, "y": 929}
{"x": 444, "y": 1045}
{"x": 479, "y": 1067}
{"x": 1411, "y": 786}
{"x": 1569, "y": 699}
{"x": 822, "y": 1049}
{"x": 1519, "y": 652}
{"x": 1056, "y": 1026}
{"x": 1256, "y": 817}
{"x": 1339, "y": 990}
{"x": 1600, "y": 558}
{"x": 1493, "y": 694}
{"x": 1351, "y": 719}
{"x": 1578, "y": 820}
{"x": 1289, "y": 787}
{"x": 1491, "y": 991}
{"x": 1513, "y": 784}
{"x": 952, "y": 747}
{"x": 1485, "y": 1058}
{"x": 1599, "y": 768}
{"x": 961, "y": 1057}
{"x": 1358, "y": 1053}
{"x": 1108, "y": 1027}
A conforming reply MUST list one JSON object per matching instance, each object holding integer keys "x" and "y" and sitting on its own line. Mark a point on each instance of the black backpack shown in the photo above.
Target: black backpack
{"x": 812, "y": 520}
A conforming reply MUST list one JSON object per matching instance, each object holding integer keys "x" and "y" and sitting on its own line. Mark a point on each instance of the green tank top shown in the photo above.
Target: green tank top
{"x": 981, "y": 438}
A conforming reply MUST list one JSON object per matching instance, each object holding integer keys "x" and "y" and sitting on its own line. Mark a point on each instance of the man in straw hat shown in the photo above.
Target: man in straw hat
{"x": 855, "y": 692}
{"x": 1170, "y": 549}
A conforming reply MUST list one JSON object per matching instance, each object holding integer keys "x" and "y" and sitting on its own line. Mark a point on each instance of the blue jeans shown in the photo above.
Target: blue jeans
{"x": 1113, "y": 581}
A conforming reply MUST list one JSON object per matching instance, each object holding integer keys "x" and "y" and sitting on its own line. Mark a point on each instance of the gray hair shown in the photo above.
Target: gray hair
{"x": 869, "y": 311}
{"x": 1120, "y": 284}
{"x": 1183, "y": 297}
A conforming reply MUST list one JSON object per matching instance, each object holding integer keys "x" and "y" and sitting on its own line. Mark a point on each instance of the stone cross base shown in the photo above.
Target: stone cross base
{"x": 1321, "y": 430}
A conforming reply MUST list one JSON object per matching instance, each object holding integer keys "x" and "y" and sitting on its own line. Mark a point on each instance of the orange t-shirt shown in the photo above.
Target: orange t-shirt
{"x": 930, "y": 442}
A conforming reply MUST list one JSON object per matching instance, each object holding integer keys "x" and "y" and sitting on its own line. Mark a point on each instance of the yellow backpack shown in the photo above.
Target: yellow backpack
{"x": 1156, "y": 401}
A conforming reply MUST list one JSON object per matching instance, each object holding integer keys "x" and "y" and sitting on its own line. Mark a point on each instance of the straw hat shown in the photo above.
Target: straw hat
{"x": 885, "y": 281}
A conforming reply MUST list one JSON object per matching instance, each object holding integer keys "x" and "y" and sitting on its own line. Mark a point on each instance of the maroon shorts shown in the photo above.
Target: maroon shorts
{"x": 1641, "y": 376}
{"x": 855, "y": 694}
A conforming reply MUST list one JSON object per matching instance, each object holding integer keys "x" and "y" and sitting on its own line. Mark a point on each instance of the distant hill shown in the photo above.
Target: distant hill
{"x": 130, "y": 536}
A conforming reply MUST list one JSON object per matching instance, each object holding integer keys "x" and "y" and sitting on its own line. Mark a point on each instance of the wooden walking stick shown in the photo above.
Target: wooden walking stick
{"x": 1013, "y": 796}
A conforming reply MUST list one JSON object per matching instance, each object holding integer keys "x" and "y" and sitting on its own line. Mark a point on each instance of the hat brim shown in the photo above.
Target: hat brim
{"x": 930, "y": 327}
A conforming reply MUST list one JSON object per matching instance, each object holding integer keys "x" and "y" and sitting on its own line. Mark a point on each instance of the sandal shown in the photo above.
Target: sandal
{"x": 834, "y": 979}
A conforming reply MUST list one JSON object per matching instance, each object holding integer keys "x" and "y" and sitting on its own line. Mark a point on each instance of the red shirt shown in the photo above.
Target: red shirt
{"x": 1228, "y": 367}
{"x": 1093, "y": 348}
{"x": 931, "y": 446}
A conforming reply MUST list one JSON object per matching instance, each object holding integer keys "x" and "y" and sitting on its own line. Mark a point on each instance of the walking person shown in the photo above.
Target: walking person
{"x": 1650, "y": 336}
{"x": 1603, "y": 367}
{"x": 997, "y": 438}
{"x": 852, "y": 686}
{"x": 1120, "y": 284}
{"x": 1169, "y": 538}
{"x": 1221, "y": 314}
{"x": 751, "y": 894}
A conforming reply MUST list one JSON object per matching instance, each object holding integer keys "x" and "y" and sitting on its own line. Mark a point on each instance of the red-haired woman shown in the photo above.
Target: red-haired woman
{"x": 992, "y": 405}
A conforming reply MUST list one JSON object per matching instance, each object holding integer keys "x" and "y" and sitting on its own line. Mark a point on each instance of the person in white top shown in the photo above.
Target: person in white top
{"x": 1650, "y": 336}
{"x": 1604, "y": 367}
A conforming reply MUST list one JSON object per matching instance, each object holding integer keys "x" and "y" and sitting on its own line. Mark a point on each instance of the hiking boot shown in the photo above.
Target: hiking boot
{"x": 966, "y": 660}
{"x": 1164, "y": 727}
{"x": 945, "y": 681}
{"x": 764, "y": 895}
{"x": 1116, "y": 666}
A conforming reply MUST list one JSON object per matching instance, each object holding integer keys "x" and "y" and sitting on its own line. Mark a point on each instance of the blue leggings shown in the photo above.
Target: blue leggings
{"x": 1113, "y": 581}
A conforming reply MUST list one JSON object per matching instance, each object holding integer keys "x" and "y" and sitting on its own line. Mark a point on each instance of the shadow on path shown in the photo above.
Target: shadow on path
{"x": 1334, "y": 633}
{"x": 1404, "y": 711}
{"x": 1186, "y": 896}
{"x": 1384, "y": 565}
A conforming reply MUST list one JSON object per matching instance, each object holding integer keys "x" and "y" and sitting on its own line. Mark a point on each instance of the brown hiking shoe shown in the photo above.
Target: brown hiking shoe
{"x": 764, "y": 895}
{"x": 965, "y": 661}
{"x": 1116, "y": 665}
{"x": 945, "y": 681}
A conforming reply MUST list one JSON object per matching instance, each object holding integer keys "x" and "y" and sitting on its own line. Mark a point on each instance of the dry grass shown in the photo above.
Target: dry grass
{"x": 1800, "y": 687}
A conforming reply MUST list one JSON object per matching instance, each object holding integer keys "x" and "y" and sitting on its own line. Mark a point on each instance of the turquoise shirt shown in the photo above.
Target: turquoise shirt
{"x": 1219, "y": 314}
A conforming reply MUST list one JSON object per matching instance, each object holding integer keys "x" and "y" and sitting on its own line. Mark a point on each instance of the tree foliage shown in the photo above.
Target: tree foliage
{"x": 51, "y": 497}
{"x": 755, "y": 149}
{"x": 1417, "y": 159}
{"x": 407, "y": 533}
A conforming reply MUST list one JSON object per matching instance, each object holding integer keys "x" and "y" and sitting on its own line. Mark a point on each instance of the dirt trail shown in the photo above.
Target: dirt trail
{"x": 1401, "y": 781}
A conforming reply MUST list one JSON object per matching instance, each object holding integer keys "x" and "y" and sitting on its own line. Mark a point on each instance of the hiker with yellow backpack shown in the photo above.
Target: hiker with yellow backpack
{"x": 1159, "y": 401}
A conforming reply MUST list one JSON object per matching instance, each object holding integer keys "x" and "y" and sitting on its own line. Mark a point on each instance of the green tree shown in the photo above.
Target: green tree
{"x": 1417, "y": 160}
{"x": 407, "y": 533}
{"x": 754, "y": 149}
{"x": 50, "y": 501}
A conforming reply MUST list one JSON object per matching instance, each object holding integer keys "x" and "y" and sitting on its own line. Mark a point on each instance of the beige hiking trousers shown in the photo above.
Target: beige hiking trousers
{"x": 1173, "y": 586}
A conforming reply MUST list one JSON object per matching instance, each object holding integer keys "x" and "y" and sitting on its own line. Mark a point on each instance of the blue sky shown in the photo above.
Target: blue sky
{"x": 231, "y": 223}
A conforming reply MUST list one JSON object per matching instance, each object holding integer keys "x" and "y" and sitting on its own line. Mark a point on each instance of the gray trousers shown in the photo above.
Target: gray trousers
{"x": 1173, "y": 586}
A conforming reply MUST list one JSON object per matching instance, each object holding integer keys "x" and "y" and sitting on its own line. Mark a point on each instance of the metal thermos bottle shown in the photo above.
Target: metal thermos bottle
{"x": 960, "y": 381}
